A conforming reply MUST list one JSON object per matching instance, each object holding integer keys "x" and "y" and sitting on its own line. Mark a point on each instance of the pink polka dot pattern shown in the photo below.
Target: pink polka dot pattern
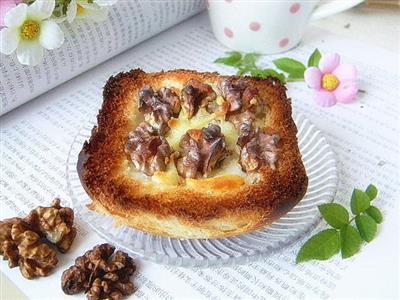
{"x": 228, "y": 32}
{"x": 295, "y": 8}
{"x": 284, "y": 42}
{"x": 255, "y": 26}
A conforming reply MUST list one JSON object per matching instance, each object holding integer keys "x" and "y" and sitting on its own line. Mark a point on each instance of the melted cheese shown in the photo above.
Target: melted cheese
{"x": 224, "y": 183}
{"x": 230, "y": 134}
{"x": 229, "y": 171}
{"x": 168, "y": 177}
{"x": 180, "y": 125}
{"x": 228, "y": 176}
{"x": 231, "y": 166}
{"x": 172, "y": 84}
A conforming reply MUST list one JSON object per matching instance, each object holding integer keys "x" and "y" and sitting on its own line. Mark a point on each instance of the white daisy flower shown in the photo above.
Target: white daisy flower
{"x": 28, "y": 30}
{"x": 97, "y": 10}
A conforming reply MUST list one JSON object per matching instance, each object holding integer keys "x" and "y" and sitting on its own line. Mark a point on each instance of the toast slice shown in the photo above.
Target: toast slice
{"x": 193, "y": 155}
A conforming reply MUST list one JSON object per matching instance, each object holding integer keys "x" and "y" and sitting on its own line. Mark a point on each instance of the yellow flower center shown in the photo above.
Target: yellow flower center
{"x": 30, "y": 30}
{"x": 80, "y": 10}
{"x": 330, "y": 82}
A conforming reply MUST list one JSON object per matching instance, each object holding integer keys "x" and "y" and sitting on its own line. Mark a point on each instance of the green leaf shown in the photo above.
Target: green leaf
{"x": 321, "y": 246}
{"x": 359, "y": 201}
{"x": 293, "y": 67}
{"x": 231, "y": 60}
{"x": 250, "y": 59}
{"x": 350, "y": 241}
{"x": 314, "y": 58}
{"x": 243, "y": 70}
{"x": 296, "y": 77}
{"x": 371, "y": 191}
{"x": 334, "y": 214}
{"x": 264, "y": 73}
{"x": 375, "y": 214}
{"x": 366, "y": 226}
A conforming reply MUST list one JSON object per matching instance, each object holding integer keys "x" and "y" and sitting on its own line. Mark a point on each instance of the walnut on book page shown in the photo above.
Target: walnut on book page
{"x": 193, "y": 155}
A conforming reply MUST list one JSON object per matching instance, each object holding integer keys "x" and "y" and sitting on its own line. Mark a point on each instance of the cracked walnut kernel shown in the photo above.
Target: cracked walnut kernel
{"x": 24, "y": 248}
{"x": 26, "y": 242}
{"x": 56, "y": 223}
{"x": 100, "y": 273}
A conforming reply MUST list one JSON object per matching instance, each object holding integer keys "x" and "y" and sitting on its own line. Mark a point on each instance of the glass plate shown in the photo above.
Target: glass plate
{"x": 321, "y": 167}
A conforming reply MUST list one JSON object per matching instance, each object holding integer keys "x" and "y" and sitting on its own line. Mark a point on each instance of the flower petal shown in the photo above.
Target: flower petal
{"x": 105, "y": 2}
{"x": 71, "y": 11}
{"x": 29, "y": 52}
{"x": 41, "y": 9}
{"x": 51, "y": 35}
{"x": 325, "y": 98}
{"x": 9, "y": 39}
{"x": 95, "y": 12}
{"x": 345, "y": 72}
{"x": 329, "y": 62}
{"x": 16, "y": 16}
{"x": 5, "y": 6}
{"x": 346, "y": 91}
{"x": 58, "y": 20}
{"x": 313, "y": 76}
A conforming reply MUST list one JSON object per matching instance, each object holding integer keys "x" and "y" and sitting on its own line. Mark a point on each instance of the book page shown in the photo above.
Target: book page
{"x": 87, "y": 44}
{"x": 35, "y": 140}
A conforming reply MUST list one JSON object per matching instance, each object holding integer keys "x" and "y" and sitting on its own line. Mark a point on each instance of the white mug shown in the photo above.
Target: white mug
{"x": 267, "y": 26}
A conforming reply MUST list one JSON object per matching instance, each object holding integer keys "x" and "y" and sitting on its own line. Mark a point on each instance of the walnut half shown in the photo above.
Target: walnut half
{"x": 243, "y": 123}
{"x": 149, "y": 151}
{"x": 100, "y": 273}
{"x": 259, "y": 151}
{"x": 239, "y": 94}
{"x": 159, "y": 107}
{"x": 55, "y": 223}
{"x": 196, "y": 94}
{"x": 202, "y": 151}
{"x": 26, "y": 242}
{"x": 24, "y": 247}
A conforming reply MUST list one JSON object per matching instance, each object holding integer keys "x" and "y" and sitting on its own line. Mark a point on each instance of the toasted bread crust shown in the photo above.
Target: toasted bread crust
{"x": 194, "y": 213}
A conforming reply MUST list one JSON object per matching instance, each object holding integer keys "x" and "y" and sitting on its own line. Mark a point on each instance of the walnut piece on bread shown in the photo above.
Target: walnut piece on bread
{"x": 195, "y": 95}
{"x": 258, "y": 151}
{"x": 239, "y": 94}
{"x": 202, "y": 150}
{"x": 148, "y": 150}
{"x": 233, "y": 163}
{"x": 159, "y": 107}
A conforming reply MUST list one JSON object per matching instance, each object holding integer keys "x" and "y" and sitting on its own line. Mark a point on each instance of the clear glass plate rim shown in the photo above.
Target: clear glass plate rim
{"x": 191, "y": 261}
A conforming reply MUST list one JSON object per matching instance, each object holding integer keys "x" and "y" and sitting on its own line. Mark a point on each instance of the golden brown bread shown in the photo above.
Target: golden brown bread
{"x": 219, "y": 206}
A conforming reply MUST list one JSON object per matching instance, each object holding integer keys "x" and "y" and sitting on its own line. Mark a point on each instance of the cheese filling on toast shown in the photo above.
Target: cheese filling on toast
{"x": 200, "y": 134}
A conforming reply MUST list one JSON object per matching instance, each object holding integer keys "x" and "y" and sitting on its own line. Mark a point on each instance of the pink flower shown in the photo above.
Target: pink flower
{"x": 333, "y": 82}
{"x": 5, "y": 6}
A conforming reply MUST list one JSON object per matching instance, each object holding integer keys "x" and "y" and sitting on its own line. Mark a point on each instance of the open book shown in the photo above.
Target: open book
{"x": 88, "y": 44}
{"x": 36, "y": 138}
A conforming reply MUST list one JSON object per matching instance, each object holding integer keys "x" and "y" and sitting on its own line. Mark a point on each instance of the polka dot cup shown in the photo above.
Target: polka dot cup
{"x": 267, "y": 26}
